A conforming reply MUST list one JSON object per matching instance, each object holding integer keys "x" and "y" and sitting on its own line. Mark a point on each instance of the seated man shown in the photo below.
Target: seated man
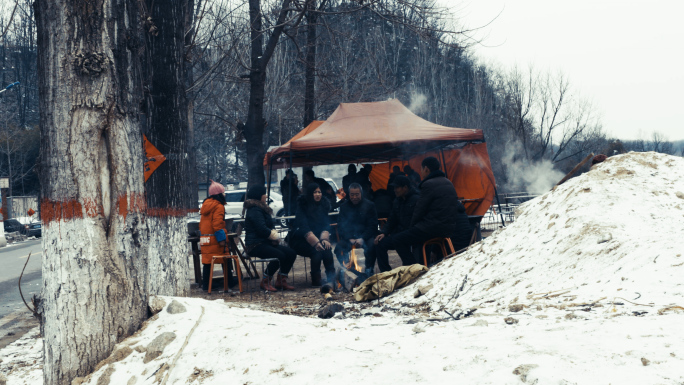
{"x": 398, "y": 221}
{"x": 438, "y": 213}
{"x": 357, "y": 223}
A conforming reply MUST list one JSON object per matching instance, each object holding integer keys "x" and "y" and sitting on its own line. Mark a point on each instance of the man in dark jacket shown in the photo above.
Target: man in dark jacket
{"x": 357, "y": 223}
{"x": 290, "y": 192}
{"x": 363, "y": 179}
{"x": 396, "y": 171}
{"x": 349, "y": 178}
{"x": 412, "y": 175}
{"x": 438, "y": 213}
{"x": 398, "y": 221}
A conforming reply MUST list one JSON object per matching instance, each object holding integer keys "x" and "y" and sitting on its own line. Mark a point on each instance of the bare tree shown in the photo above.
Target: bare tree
{"x": 167, "y": 129}
{"x": 660, "y": 143}
{"x": 545, "y": 117}
{"x": 94, "y": 236}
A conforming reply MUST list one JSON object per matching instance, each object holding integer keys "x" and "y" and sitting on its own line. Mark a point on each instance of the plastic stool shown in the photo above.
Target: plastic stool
{"x": 223, "y": 260}
{"x": 440, "y": 242}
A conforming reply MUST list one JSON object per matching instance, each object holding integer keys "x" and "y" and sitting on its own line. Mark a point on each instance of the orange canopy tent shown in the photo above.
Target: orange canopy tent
{"x": 389, "y": 133}
{"x": 312, "y": 126}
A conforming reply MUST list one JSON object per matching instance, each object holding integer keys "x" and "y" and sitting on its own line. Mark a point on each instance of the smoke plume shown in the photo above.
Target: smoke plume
{"x": 418, "y": 102}
{"x": 533, "y": 177}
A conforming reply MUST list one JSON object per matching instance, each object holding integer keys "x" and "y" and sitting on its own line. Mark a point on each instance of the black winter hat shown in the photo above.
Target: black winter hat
{"x": 401, "y": 181}
{"x": 255, "y": 192}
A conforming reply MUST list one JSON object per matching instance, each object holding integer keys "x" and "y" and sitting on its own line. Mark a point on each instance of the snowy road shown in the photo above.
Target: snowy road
{"x": 12, "y": 259}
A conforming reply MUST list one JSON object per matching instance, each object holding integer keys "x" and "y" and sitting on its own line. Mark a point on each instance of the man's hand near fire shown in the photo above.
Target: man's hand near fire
{"x": 379, "y": 238}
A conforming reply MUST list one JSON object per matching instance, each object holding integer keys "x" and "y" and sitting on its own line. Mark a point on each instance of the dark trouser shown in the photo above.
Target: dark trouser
{"x": 379, "y": 253}
{"x": 302, "y": 247}
{"x": 285, "y": 255}
{"x": 404, "y": 240}
{"x": 343, "y": 248}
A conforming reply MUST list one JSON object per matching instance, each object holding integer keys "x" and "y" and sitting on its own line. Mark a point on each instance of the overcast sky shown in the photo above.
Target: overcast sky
{"x": 625, "y": 56}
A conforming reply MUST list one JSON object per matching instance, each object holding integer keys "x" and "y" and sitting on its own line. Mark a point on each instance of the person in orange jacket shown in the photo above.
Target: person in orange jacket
{"x": 212, "y": 224}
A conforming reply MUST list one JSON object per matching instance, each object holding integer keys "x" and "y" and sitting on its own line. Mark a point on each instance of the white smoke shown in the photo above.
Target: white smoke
{"x": 532, "y": 177}
{"x": 418, "y": 102}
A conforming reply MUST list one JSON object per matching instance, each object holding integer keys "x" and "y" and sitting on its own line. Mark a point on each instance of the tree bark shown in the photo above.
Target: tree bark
{"x": 193, "y": 192}
{"x": 94, "y": 235}
{"x": 167, "y": 129}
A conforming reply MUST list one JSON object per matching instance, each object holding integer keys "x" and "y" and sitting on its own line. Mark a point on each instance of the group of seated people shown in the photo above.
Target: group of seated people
{"x": 419, "y": 212}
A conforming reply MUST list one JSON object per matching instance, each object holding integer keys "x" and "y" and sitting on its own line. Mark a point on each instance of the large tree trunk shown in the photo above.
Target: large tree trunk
{"x": 94, "y": 235}
{"x": 192, "y": 181}
{"x": 167, "y": 124}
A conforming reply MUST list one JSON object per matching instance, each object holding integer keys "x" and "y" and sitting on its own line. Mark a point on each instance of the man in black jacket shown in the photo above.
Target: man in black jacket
{"x": 438, "y": 213}
{"x": 398, "y": 221}
{"x": 357, "y": 223}
{"x": 349, "y": 178}
{"x": 289, "y": 189}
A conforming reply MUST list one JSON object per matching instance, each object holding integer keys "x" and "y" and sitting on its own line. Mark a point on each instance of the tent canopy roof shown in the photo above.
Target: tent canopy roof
{"x": 369, "y": 132}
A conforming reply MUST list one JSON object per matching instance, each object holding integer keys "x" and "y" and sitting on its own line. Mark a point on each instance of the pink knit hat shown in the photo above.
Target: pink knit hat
{"x": 216, "y": 188}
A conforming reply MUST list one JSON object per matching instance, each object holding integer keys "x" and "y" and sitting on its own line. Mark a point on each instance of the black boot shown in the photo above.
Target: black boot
{"x": 205, "y": 276}
{"x": 316, "y": 279}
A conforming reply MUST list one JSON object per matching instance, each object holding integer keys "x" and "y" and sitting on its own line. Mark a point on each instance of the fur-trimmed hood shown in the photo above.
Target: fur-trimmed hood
{"x": 257, "y": 203}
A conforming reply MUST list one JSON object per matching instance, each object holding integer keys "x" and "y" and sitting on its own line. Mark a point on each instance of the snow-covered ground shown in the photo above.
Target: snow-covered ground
{"x": 586, "y": 287}
{"x": 21, "y": 362}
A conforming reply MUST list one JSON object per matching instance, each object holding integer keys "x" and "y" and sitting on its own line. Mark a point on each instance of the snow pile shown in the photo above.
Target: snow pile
{"x": 213, "y": 343}
{"x": 613, "y": 236}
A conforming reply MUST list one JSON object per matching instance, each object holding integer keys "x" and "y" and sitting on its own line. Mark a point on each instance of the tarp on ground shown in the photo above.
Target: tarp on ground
{"x": 388, "y": 132}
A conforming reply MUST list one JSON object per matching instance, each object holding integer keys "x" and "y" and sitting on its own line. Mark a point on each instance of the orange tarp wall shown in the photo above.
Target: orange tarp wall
{"x": 467, "y": 168}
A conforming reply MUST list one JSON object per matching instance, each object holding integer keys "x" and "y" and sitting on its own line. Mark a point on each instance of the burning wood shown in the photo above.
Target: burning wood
{"x": 353, "y": 260}
{"x": 351, "y": 275}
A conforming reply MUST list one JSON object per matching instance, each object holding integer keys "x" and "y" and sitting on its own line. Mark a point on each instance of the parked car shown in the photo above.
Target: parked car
{"x": 332, "y": 183}
{"x": 236, "y": 198}
{"x": 34, "y": 229}
{"x": 13, "y": 225}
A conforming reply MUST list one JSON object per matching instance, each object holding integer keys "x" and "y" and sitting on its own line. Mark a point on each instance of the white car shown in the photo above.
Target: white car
{"x": 236, "y": 198}
{"x": 332, "y": 183}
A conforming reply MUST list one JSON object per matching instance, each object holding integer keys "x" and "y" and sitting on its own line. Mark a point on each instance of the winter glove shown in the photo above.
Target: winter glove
{"x": 311, "y": 239}
{"x": 220, "y": 235}
{"x": 273, "y": 236}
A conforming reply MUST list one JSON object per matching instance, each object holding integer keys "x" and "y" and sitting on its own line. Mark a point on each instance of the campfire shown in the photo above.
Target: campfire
{"x": 351, "y": 274}
{"x": 353, "y": 261}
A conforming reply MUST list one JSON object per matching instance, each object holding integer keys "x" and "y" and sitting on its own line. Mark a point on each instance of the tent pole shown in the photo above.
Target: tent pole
{"x": 268, "y": 189}
{"x": 499, "y": 203}
{"x": 289, "y": 196}
{"x": 496, "y": 192}
{"x": 441, "y": 151}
